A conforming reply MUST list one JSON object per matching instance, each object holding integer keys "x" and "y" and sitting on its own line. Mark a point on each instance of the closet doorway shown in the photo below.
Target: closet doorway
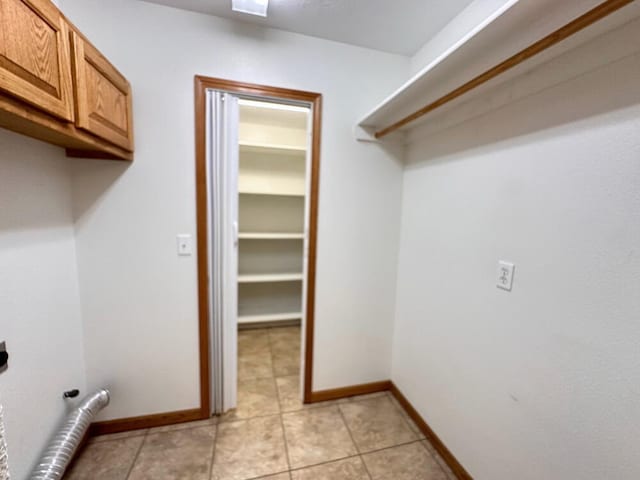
{"x": 257, "y": 168}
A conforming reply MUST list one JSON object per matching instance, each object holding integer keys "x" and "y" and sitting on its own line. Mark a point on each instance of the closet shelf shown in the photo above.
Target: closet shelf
{"x": 271, "y": 317}
{"x": 270, "y": 236}
{"x": 275, "y": 194}
{"x": 255, "y": 147}
{"x": 510, "y": 42}
{"x": 270, "y": 277}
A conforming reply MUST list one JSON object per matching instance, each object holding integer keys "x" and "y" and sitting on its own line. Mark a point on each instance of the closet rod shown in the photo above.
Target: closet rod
{"x": 599, "y": 12}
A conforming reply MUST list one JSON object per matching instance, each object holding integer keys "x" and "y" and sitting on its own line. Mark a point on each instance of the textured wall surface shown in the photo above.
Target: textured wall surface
{"x": 39, "y": 302}
{"x": 541, "y": 382}
{"x": 138, "y": 297}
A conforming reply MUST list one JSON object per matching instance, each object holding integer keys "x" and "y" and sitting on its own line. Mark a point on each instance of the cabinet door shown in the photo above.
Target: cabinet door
{"x": 34, "y": 55}
{"x": 103, "y": 96}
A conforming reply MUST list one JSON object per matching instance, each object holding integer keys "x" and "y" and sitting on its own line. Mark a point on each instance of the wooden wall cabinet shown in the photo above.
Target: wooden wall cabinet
{"x": 34, "y": 56}
{"x": 103, "y": 95}
{"x": 57, "y": 87}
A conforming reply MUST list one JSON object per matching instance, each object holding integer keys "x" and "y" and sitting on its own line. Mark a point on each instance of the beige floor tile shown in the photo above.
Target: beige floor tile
{"x": 279, "y": 476}
{"x": 285, "y": 350}
{"x": 440, "y": 460}
{"x": 406, "y": 462}
{"x": 376, "y": 424}
{"x": 181, "y": 454}
{"x": 118, "y": 436}
{"x": 285, "y": 344}
{"x": 249, "y": 449}
{"x": 429, "y": 448}
{"x": 286, "y": 363}
{"x": 182, "y": 426}
{"x": 404, "y": 413}
{"x": 106, "y": 460}
{"x": 256, "y": 398}
{"x": 289, "y": 333}
{"x": 255, "y": 365}
{"x": 348, "y": 469}
{"x": 253, "y": 341}
{"x": 315, "y": 436}
{"x": 289, "y": 395}
{"x": 368, "y": 396}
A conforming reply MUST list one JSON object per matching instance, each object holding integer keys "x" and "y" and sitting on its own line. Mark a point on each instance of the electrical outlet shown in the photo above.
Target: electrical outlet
{"x": 185, "y": 245}
{"x": 505, "y": 275}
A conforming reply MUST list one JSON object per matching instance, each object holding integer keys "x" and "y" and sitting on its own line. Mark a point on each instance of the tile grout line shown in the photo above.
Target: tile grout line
{"x": 335, "y": 460}
{"x": 135, "y": 458}
{"x": 213, "y": 451}
{"x": 275, "y": 384}
{"x": 326, "y": 462}
{"x": 403, "y": 444}
{"x": 344, "y": 420}
{"x": 364, "y": 464}
{"x": 435, "y": 459}
{"x": 346, "y": 424}
{"x": 405, "y": 416}
{"x": 407, "y": 419}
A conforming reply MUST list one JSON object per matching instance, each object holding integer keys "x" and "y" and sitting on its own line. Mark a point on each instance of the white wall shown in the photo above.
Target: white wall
{"x": 138, "y": 298}
{"x": 474, "y": 14}
{"x": 542, "y": 382}
{"x": 39, "y": 302}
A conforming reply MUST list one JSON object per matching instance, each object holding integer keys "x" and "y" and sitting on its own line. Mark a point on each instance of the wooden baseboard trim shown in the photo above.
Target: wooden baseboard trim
{"x": 455, "y": 466}
{"x": 352, "y": 391}
{"x": 146, "y": 421}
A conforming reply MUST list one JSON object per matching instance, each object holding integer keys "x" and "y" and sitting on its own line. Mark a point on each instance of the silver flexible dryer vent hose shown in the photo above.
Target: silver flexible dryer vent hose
{"x": 60, "y": 450}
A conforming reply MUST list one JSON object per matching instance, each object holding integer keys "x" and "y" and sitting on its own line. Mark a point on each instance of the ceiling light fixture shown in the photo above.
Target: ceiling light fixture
{"x": 252, "y": 7}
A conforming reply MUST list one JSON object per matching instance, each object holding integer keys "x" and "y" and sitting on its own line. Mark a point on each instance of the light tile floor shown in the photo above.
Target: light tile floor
{"x": 272, "y": 435}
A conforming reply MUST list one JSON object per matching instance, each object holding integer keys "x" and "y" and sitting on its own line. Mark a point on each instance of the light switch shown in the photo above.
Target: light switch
{"x": 185, "y": 245}
{"x": 505, "y": 275}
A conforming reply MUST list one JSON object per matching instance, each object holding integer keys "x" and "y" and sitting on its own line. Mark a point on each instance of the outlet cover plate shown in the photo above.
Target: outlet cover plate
{"x": 505, "y": 275}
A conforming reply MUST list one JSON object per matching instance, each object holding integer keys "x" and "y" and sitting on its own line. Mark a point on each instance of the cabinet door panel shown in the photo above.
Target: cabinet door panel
{"x": 103, "y": 96}
{"x": 34, "y": 55}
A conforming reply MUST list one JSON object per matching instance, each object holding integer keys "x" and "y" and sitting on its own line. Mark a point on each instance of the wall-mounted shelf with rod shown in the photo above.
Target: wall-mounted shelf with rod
{"x": 512, "y": 41}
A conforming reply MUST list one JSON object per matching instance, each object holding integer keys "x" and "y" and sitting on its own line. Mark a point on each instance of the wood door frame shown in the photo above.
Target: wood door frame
{"x": 202, "y": 84}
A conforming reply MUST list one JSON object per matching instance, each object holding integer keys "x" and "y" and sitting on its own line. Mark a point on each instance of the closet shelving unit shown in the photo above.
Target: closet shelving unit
{"x": 509, "y": 43}
{"x": 272, "y": 200}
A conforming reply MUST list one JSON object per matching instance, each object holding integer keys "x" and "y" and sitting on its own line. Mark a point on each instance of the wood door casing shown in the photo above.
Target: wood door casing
{"x": 34, "y": 56}
{"x": 103, "y": 95}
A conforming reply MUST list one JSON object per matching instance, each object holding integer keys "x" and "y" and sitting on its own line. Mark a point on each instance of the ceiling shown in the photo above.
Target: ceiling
{"x": 394, "y": 26}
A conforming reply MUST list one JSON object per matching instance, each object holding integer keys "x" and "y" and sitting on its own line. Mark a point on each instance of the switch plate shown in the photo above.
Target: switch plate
{"x": 185, "y": 245}
{"x": 505, "y": 275}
